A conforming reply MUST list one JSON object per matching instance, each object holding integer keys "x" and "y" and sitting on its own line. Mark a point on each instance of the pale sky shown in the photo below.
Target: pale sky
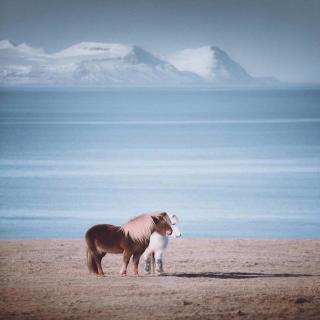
{"x": 268, "y": 38}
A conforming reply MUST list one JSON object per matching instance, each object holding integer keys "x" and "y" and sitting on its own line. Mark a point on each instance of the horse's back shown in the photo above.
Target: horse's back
{"x": 105, "y": 238}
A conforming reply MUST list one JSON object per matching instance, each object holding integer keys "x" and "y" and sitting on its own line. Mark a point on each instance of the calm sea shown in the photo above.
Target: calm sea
{"x": 229, "y": 163}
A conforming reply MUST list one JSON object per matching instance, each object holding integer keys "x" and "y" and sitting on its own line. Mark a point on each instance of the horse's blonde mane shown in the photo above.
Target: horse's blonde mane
{"x": 141, "y": 227}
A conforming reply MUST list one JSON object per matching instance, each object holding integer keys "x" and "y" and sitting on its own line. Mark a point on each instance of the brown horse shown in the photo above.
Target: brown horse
{"x": 131, "y": 239}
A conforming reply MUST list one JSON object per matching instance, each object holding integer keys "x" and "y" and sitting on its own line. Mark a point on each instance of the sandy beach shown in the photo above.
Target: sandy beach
{"x": 205, "y": 279}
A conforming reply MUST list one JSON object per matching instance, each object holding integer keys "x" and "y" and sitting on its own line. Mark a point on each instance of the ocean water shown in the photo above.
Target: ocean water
{"x": 229, "y": 163}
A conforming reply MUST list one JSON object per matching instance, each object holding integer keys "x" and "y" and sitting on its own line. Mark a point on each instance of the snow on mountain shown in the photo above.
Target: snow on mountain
{"x": 211, "y": 63}
{"x": 87, "y": 63}
{"x": 7, "y": 44}
{"x": 92, "y": 63}
{"x": 199, "y": 61}
{"x": 109, "y": 50}
{"x": 21, "y": 48}
{"x": 19, "y": 63}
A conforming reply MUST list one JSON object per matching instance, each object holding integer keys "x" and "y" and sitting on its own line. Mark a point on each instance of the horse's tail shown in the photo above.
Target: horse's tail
{"x": 91, "y": 262}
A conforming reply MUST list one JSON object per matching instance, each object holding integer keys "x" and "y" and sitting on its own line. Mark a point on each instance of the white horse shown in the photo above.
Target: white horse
{"x": 157, "y": 246}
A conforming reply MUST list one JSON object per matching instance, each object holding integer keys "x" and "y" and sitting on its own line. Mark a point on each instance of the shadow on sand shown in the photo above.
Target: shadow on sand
{"x": 233, "y": 275}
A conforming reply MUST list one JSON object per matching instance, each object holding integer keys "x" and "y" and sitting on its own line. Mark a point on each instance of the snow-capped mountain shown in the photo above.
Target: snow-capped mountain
{"x": 211, "y": 63}
{"x": 87, "y": 63}
{"x": 91, "y": 63}
{"x": 7, "y": 44}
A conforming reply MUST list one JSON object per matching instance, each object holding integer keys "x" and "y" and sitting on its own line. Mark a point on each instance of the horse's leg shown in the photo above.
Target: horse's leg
{"x": 159, "y": 262}
{"x": 98, "y": 259}
{"x": 147, "y": 260}
{"x": 153, "y": 260}
{"x": 126, "y": 258}
{"x": 136, "y": 258}
{"x": 147, "y": 265}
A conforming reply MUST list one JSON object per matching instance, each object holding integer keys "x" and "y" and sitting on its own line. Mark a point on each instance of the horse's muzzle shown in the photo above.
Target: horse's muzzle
{"x": 168, "y": 232}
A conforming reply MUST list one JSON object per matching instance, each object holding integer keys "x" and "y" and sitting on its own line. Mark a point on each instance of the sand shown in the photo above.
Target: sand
{"x": 205, "y": 279}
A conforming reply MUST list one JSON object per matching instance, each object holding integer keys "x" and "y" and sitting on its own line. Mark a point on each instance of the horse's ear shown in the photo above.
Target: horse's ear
{"x": 165, "y": 217}
{"x": 174, "y": 219}
{"x": 155, "y": 219}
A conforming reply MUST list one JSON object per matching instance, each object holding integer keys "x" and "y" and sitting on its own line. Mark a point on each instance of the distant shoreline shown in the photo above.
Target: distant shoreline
{"x": 278, "y": 87}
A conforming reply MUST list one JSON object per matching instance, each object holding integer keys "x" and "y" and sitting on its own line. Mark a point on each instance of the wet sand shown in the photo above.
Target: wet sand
{"x": 205, "y": 279}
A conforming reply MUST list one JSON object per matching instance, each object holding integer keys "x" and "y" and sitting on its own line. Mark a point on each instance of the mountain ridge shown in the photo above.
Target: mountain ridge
{"x": 95, "y": 63}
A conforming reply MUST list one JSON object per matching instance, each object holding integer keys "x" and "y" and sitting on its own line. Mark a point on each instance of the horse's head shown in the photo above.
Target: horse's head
{"x": 174, "y": 219}
{"x": 176, "y": 233}
{"x": 162, "y": 224}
